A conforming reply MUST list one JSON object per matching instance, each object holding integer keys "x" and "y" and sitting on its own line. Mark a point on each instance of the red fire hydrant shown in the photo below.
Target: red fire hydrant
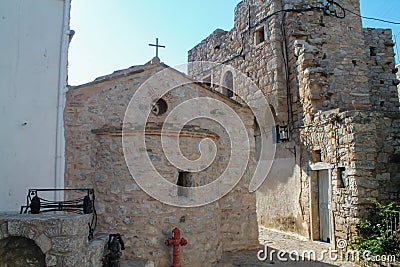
{"x": 175, "y": 241}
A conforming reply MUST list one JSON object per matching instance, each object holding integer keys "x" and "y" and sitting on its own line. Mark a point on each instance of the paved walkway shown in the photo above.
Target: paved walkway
{"x": 286, "y": 250}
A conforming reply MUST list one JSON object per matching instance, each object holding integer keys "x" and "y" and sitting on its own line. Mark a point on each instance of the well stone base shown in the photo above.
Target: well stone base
{"x": 63, "y": 238}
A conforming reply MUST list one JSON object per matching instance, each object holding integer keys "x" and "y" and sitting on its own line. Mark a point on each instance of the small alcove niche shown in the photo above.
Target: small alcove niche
{"x": 227, "y": 84}
{"x": 341, "y": 177}
{"x": 372, "y": 51}
{"x": 259, "y": 36}
{"x": 316, "y": 155}
{"x": 160, "y": 107}
{"x": 184, "y": 181}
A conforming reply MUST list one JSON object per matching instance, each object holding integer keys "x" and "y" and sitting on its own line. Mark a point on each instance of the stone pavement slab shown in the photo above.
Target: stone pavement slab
{"x": 285, "y": 250}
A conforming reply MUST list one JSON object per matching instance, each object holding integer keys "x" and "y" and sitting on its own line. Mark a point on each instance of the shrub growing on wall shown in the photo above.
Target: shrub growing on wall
{"x": 380, "y": 232}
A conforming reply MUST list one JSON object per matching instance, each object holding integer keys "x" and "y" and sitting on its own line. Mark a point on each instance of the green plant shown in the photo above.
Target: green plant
{"x": 378, "y": 233}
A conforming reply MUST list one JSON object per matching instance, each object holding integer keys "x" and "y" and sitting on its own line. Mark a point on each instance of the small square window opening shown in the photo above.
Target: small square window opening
{"x": 260, "y": 36}
{"x": 184, "y": 180}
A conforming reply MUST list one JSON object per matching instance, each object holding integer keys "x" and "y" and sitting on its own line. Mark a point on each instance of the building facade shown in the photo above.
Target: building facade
{"x": 33, "y": 79}
{"x": 97, "y": 156}
{"x": 332, "y": 87}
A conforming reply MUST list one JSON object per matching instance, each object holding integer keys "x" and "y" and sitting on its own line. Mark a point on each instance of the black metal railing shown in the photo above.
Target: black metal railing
{"x": 393, "y": 221}
{"x": 83, "y": 204}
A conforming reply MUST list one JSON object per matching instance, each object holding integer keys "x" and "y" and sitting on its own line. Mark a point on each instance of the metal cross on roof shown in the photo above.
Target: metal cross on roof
{"x": 157, "y": 46}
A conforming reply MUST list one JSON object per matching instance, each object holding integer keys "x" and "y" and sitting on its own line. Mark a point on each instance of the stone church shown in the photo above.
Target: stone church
{"x": 94, "y": 130}
{"x": 332, "y": 89}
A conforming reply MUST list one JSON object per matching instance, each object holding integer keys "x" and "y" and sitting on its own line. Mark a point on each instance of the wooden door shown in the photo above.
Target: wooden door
{"x": 324, "y": 205}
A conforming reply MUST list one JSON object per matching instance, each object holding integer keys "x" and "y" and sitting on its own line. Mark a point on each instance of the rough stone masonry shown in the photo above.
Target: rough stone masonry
{"x": 332, "y": 89}
{"x": 49, "y": 240}
{"x": 94, "y": 118}
{"x": 332, "y": 85}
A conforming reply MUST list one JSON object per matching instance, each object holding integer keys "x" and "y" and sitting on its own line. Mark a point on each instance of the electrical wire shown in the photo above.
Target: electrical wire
{"x": 324, "y": 9}
{"x": 328, "y": 9}
{"x": 370, "y": 18}
{"x": 331, "y": 10}
{"x": 287, "y": 74}
{"x": 292, "y": 10}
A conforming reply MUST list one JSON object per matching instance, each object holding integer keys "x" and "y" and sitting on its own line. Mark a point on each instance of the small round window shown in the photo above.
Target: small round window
{"x": 159, "y": 107}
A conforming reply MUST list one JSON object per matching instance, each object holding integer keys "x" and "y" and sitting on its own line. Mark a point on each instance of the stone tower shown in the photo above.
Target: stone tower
{"x": 332, "y": 88}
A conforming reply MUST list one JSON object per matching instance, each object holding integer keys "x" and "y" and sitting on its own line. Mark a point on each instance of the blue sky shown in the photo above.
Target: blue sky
{"x": 114, "y": 34}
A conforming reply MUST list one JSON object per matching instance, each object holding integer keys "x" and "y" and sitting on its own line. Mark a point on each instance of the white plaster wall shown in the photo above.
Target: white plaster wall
{"x": 33, "y": 72}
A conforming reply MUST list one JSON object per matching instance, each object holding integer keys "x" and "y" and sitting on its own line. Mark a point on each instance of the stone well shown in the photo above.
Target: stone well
{"x": 62, "y": 238}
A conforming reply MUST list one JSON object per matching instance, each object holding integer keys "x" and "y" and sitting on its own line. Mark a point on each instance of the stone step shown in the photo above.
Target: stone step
{"x": 137, "y": 263}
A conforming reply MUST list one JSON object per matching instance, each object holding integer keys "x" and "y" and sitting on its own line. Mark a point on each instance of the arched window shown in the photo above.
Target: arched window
{"x": 257, "y": 137}
{"x": 228, "y": 84}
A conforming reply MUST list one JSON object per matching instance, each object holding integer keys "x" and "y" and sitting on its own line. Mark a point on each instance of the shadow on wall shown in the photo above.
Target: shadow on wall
{"x": 278, "y": 198}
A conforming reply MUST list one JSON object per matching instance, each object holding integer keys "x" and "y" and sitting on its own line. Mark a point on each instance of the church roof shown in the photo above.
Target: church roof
{"x": 124, "y": 72}
{"x": 151, "y": 65}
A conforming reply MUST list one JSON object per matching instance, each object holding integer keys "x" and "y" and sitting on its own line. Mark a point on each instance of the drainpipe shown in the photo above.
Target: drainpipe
{"x": 62, "y": 88}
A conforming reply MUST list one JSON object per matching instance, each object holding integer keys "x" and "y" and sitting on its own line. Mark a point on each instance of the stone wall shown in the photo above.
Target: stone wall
{"x": 95, "y": 158}
{"x": 260, "y": 61}
{"x": 62, "y": 238}
{"x": 332, "y": 71}
{"x": 318, "y": 72}
{"x": 346, "y": 67}
{"x": 362, "y": 156}
{"x": 382, "y": 80}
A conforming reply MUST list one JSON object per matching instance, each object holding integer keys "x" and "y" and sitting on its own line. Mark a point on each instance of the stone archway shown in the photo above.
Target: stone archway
{"x": 60, "y": 238}
{"x": 21, "y": 251}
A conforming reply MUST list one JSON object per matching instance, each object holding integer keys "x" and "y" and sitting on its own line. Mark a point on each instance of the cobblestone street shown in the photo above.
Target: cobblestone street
{"x": 277, "y": 241}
